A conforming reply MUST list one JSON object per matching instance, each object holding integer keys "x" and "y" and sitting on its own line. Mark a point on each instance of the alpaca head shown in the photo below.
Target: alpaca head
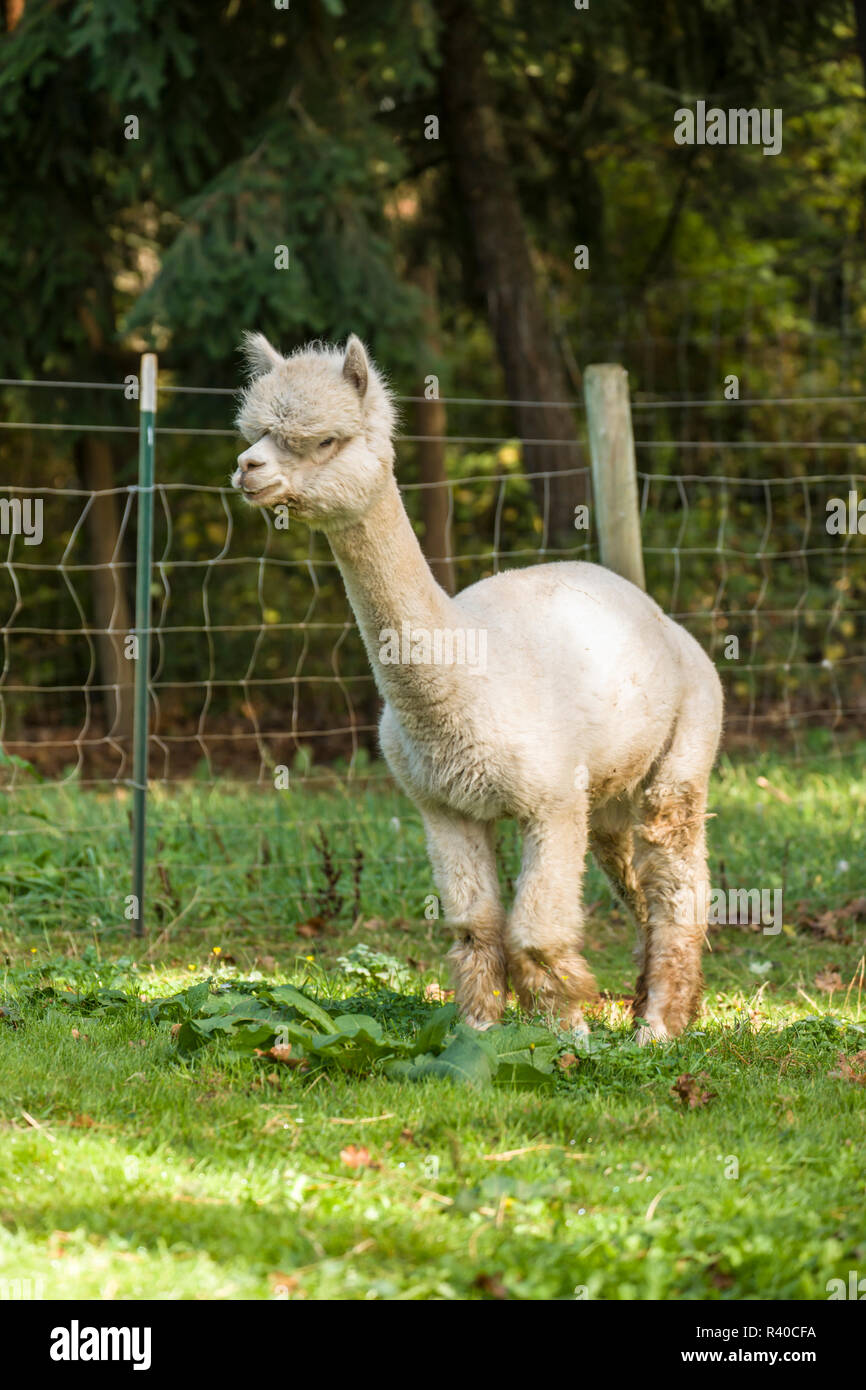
{"x": 319, "y": 426}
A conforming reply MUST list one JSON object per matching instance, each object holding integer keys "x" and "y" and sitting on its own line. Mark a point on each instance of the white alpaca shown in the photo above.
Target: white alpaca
{"x": 580, "y": 710}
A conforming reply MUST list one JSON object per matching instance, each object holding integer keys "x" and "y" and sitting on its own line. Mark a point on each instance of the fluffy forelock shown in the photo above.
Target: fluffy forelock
{"x": 306, "y": 397}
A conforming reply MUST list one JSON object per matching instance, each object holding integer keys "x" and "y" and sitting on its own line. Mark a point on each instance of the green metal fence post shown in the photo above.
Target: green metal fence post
{"x": 146, "y": 452}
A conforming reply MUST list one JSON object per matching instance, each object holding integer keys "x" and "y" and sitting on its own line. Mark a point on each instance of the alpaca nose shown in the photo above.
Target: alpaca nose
{"x": 250, "y": 459}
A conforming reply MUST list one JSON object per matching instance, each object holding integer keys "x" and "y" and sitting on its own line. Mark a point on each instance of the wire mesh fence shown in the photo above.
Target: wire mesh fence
{"x": 259, "y": 685}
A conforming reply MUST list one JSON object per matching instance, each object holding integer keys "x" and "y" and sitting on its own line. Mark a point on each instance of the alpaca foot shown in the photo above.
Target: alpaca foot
{"x": 569, "y": 1019}
{"x": 556, "y": 989}
{"x": 580, "y": 1034}
{"x": 479, "y": 1022}
{"x": 478, "y": 1018}
{"x": 651, "y": 1032}
{"x": 479, "y": 983}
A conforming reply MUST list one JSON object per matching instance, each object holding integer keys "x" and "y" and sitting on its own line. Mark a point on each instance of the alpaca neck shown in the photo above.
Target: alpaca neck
{"x": 389, "y": 585}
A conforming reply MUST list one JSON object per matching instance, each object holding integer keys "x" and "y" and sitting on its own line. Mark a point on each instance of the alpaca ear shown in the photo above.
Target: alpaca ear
{"x": 261, "y": 357}
{"x": 356, "y": 368}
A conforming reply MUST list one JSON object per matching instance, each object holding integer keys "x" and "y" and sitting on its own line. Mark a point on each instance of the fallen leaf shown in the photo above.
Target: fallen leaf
{"x": 314, "y": 927}
{"x": 718, "y": 1278}
{"x": 689, "y": 1089}
{"x": 828, "y": 980}
{"x": 282, "y": 1052}
{"x": 57, "y": 1244}
{"x": 175, "y": 1029}
{"x": 283, "y": 1283}
{"x": 826, "y": 925}
{"x": 355, "y": 1157}
{"x": 848, "y": 1068}
{"x": 82, "y": 1122}
{"x": 567, "y": 1060}
{"x": 435, "y": 992}
{"x": 491, "y": 1285}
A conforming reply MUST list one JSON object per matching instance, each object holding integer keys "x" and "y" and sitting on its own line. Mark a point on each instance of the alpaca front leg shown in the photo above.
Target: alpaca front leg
{"x": 545, "y": 929}
{"x": 464, "y": 868}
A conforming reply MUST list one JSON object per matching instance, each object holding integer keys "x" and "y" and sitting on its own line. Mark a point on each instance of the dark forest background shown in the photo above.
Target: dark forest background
{"x": 430, "y": 169}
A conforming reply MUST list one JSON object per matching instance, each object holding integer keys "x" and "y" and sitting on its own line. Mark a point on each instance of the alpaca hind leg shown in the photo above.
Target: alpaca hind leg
{"x": 611, "y": 840}
{"x": 670, "y": 863}
{"x": 464, "y": 868}
{"x": 545, "y": 929}
{"x": 614, "y": 856}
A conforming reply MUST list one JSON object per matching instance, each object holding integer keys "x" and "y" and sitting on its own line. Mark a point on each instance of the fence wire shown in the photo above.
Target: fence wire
{"x": 258, "y": 665}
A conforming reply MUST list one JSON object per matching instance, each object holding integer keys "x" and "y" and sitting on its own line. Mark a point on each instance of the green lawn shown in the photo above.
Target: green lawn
{"x": 132, "y": 1168}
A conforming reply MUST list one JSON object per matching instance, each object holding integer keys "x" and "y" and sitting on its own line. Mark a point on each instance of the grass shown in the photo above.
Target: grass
{"x": 130, "y": 1171}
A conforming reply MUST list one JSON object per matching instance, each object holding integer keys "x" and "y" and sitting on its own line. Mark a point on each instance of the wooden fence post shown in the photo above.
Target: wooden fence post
{"x": 614, "y": 476}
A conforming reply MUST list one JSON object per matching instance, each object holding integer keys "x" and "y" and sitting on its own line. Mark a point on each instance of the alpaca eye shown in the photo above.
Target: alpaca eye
{"x": 325, "y": 442}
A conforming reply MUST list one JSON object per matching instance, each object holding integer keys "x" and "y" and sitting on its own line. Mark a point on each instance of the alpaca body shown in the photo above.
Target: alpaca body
{"x": 585, "y": 679}
{"x": 592, "y": 720}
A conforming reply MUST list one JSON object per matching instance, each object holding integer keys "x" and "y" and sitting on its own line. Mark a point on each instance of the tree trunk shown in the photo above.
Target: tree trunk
{"x": 110, "y": 602}
{"x": 860, "y": 30}
{"x": 14, "y": 11}
{"x": 525, "y": 340}
{"x": 430, "y": 419}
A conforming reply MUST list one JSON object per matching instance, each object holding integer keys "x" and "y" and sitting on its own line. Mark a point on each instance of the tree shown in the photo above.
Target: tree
{"x": 534, "y": 375}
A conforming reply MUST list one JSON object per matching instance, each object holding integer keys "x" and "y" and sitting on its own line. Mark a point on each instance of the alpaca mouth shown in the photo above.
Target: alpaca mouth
{"x": 258, "y": 495}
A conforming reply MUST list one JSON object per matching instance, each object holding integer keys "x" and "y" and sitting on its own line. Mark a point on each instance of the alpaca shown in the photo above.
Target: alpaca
{"x": 583, "y": 712}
